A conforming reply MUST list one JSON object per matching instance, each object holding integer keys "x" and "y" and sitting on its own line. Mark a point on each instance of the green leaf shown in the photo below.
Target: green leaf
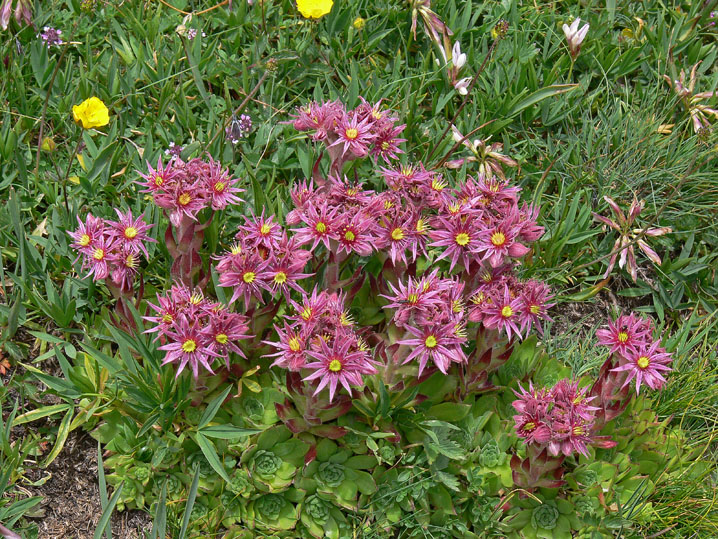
{"x": 107, "y": 513}
{"x": 449, "y": 411}
{"x": 62, "y": 433}
{"x": 210, "y": 454}
{"x": 190, "y": 504}
{"x": 540, "y": 95}
{"x": 213, "y": 407}
{"x": 39, "y": 413}
{"x": 228, "y": 432}
{"x": 102, "y": 484}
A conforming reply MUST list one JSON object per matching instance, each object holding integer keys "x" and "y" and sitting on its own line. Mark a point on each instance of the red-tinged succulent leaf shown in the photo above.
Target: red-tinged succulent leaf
{"x": 311, "y": 454}
{"x": 333, "y": 432}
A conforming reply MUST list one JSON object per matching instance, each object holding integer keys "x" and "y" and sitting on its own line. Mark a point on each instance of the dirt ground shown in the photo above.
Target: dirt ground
{"x": 71, "y": 497}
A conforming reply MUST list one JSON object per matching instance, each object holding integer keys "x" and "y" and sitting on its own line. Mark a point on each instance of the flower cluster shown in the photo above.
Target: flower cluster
{"x": 559, "y": 419}
{"x": 367, "y": 129}
{"x": 644, "y": 360}
{"x": 51, "y": 36}
{"x": 112, "y": 248}
{"x": 263, "y": 257}
{"x": 238, "y": 128}
{"x": 186, "y": 188}
{"x": 432, "y": 312}
{"x": 194, "y": 330}
{"x": 321, "y": 337}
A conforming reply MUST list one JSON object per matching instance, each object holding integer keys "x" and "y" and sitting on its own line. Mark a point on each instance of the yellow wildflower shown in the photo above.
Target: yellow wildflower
{"x": 91, "y": 113}
{"x": 314, "y": 9}
{"x": 359, "y": 23}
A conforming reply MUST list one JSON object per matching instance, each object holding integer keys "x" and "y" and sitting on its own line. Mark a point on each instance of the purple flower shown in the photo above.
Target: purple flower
{"x": 626, "y": 334}
{"x": 342, "y": 363}
{"x": 131, "y": 232}
{"x": 188, "y": 346}
{"x": 438, "y": 343}
{"x": 645, "y": 364}
{"x": 238, "y": 128}
{"x": 51, "y": 36}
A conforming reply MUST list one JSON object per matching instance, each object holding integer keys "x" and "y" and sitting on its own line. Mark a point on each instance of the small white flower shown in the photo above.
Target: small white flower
{"x": 575, "y": 36}
{"x": 462, "y": 86}
{"x": 457, "y": 57}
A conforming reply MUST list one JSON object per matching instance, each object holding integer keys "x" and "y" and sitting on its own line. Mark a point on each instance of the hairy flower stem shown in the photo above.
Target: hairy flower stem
{"x": 474, "y": 80}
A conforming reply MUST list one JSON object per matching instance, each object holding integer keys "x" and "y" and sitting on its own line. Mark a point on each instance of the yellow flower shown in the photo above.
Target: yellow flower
{"x": 359, "y": 23}
{"x": 314, "y": 9}
{"x": 91, "y": 113}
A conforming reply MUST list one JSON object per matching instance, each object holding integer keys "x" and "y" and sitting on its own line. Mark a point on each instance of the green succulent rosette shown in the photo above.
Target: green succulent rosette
{"x": 274, "y": 460}
{"x": 272, "y": 511}
{"x": 338, "y": 475}
{"x": 321, "y": 518}
{"x": 554, "y": 518}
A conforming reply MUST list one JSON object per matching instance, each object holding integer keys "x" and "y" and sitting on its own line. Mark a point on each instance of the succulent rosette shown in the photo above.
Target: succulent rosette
{"x": 275, "y": 459}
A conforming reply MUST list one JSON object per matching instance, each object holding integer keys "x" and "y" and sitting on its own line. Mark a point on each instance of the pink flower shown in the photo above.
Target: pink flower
{"x": 247, "y": 278}
{"x": 224, "y": 331}
{"x": 342, "y": 363}
{"x": 260, "y": 231}
{"x": 131, "y": 233}
{"x": 535, "y": 297}
{"x": 645, "y": 364}
{"x": 357, "y": 234}
{"x": 97, "y": 259}
{"x": 322, "y": 225}
{"x": 499, "y": 242}
{"x": 626, "y": 334}
{"x": 161, "y": 178}
{"x": 291, "y": 354}
{"x": 459, "y": 236}
{"x": 439, "y": 344}
{"x": 503, "y": 314}
{"x": 220, "y": 186}
{"x": 354, "y": 135}
{"x": 188, "y": 346}
{"x": 88, "y": 234}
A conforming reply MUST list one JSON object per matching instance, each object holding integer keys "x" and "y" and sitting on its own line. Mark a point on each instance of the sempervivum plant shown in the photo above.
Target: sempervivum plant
{"x": 369, "y": 360}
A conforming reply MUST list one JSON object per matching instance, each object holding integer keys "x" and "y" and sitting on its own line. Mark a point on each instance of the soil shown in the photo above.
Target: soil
{"x": 71, "y": 497}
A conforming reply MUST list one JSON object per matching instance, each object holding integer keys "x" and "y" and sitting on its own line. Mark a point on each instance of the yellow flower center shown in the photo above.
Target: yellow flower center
{"x": 529, "y": 426}
{"x": 130, "y": 232}
{"x": 99, "y": 254}
{"x": 221, "y": 338}
{"x": 184, "y": 199}
{"x": 507, "y": 311}
{"x": 335, "y": 365}
{"x": 388, "y": 204}
{"x": 578, "y": 431}
{"x": 84, "y": 240}
{"x": 189, "y": 346}
{"x": 462, "y": 238}
{"x": 159, "y": 180}
{"x": 345, "y": 319}
{"x": 421, "y": 226}
{"x": 280, "y": 277}
{"x": 167, "y": 318}
{"x": 437, "y": 184}
{"x": 535, "y": 309}
{"x": 498, "y": 239}
{"x": 478, "y": 299}
{"x": 351, "y": 133}
{"x": 294, "y": 344}
{"x": 131, "y": 261}
{"x": 219, "y": 187}
{"x": 412, "y": 298}
{"x": 397, "y": 234}
{"x": 454, "y": 207}
{"x": 249, "y": 277}
{"x": 235, "y": 249}
{"x": 622, "y": 336}
{"x": 376, "y": 114}
{"x": 385, "y": 145}
{"x": 196, "y": 298}
{"x": 407, "y": 171}
{"x": 306, "y": 314}
{"x": 265, "y": 229}
{"x": 431, "y": 342}
{"x": 643, "y": 362}
{"x": 349, "y": 235}
{"x": 320, "y": 227}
